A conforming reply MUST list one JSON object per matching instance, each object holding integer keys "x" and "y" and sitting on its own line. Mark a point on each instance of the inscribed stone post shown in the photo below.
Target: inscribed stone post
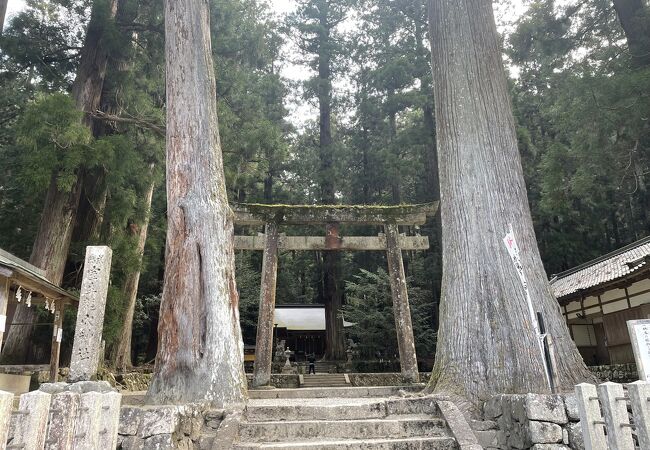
{"x": 63, "y": 413}
{"x": 6, "y": 403}
{"x": 90, "y": 315}
{"x": 640, "y": 337}
{"x": 31, "y": 421}
{"x": 401, "y": 308}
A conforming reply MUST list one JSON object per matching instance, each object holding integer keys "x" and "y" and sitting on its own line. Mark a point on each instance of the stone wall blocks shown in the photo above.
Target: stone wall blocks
{"x": 571, "y": 404}
{"x": 130, "y": 417}
{"x": 546, "y": 408}
{"x": 549, "y": 447}
{"x": 576, "y": 440}
{"x": 132, "y": 443}
{"x": 493, "y": 407}
{"x": 545, "y": 432}
{"x": 159, "y": 420}
{"x": 158, "y": 442}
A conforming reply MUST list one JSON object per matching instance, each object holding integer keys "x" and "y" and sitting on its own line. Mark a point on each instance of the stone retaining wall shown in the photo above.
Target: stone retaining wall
{"x": 616, "y": 373}
{"x": 161, "y": 427}
{"x": 381, "y": 379}
{"x": 530, "y": 421}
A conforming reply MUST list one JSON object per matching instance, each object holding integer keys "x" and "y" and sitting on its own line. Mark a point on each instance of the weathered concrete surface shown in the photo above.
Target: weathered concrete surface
{"x": 30, "y": 424}
{"x": 63, "y": 414}
{"x": 90, "y": 314}
{"x": 6, "y": 403}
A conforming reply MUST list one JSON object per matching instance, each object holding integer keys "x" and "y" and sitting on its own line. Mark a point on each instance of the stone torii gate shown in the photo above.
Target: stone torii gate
{"x": 391, "y": 241}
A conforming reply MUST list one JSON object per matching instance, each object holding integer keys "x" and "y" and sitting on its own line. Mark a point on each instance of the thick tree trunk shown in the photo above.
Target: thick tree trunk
{"x": 122, "y": 357}
{"x": 54, "y": 233}
{"x": 486, "y": 341}
{"x": 200, "y": 348}
{"x": 635, "y": 21}
{"x": 3, "y": 13}
{"x": 333, "y": 291}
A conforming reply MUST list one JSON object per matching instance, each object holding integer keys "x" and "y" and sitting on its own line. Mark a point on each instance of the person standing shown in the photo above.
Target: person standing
{"x": 312, "y": 364}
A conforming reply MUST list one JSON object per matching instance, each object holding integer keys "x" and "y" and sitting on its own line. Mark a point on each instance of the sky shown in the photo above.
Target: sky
{"x": 506, "y": 13}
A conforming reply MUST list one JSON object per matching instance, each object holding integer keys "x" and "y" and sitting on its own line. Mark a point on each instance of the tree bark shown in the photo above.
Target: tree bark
{"x": 122, "y": 357}
{"x": 635, "y": 21}
{"x": 55, "y": 228}
{"x": 200, "y": 348}
{"x": 333, "y": 292}
{"x": 3, "y": 13}
{"x": 486, "y": 342}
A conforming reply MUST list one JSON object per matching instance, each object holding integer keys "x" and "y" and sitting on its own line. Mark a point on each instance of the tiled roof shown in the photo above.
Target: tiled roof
{"x": 612, "y": 266}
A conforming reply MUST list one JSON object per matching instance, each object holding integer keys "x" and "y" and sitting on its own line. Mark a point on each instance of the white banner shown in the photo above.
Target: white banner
{"x": 513, "y": 251}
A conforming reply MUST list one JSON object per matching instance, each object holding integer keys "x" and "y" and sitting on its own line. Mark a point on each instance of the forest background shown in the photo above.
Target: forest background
{"x": 580, "y": 98}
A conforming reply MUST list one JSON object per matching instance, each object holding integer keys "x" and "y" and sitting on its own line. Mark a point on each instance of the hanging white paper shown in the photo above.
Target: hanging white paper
{"x": 513, "y": 251}
{"x": 59, "y": 335}
{"x": 3, "y": 322}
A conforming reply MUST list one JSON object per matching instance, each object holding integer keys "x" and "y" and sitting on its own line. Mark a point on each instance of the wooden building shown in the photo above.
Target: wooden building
{"x": 23, "y": 282}
{"x": 302, "y": 327}
{"x": 598, "y": 297}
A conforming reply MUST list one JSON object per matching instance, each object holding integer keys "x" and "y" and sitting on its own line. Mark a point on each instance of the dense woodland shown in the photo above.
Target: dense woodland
{"x": 82, "y": 106}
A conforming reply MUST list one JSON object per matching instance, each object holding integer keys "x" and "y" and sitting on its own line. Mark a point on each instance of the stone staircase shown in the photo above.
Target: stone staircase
{"x": 342, "y": 418}
{"x": 324, "y": 380}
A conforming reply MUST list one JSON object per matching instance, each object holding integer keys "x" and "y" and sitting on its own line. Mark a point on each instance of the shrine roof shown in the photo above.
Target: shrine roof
{"x": 631, "y": 260}
{"x": 302, "y": 317}
{"x": 32, "y": 278}
{"x": 258, "y": 214}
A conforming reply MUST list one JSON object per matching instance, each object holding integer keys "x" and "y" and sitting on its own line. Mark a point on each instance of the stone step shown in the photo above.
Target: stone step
{"x": 287, "y": 431}
{"x": 417, "y": 443}
{"x": 269, "y": 410}
{"x": 329, "y": 392}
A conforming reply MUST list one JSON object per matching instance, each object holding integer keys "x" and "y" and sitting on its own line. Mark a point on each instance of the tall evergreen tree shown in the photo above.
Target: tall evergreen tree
{"x": 487, "y": 341}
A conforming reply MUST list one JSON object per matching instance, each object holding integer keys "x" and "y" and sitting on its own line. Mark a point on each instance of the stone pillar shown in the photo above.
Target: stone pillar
{"x": 86, "y": 429}
{"x": 30, "y": 424}
{"x": 90, "y": 315}
{"x": 110, "y": 417}
{"x": 639, "y": 393}
{"x": 401, "y": 309}
{"x": 57, "y": 335}
{"x": 4, "y": 301}
{"x": 590, "y": 418}
{"x": 612, "y": 399}
{"x": 63, "y": 413}
{"x": 6, "y": 405}
{"x": 264, "y": 339}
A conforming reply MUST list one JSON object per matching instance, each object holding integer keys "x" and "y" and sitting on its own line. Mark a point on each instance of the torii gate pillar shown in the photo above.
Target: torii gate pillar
{"x": 265, "y": 318}
{"x": 401, "y": 309}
